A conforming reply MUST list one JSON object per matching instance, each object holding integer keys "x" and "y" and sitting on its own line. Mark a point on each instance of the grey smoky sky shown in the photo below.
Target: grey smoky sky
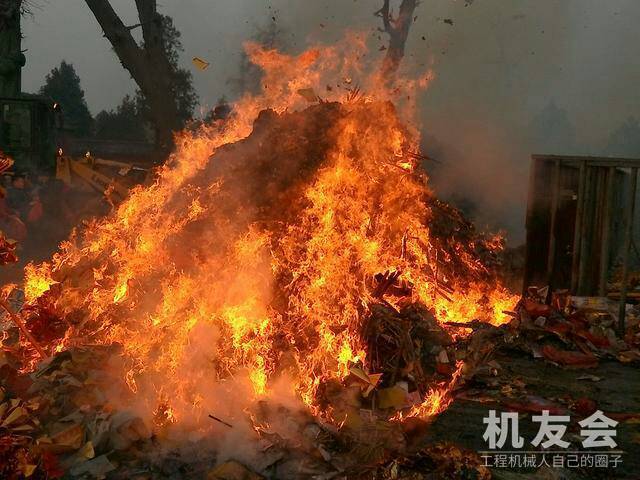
{"x": 496, "y": 67}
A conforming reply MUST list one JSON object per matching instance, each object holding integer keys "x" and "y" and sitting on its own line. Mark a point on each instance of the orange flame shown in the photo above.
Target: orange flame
{"x": 196, "y": 289}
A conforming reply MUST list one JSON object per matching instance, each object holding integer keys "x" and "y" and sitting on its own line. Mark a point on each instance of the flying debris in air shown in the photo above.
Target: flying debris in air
{"x": 200, "y": 64}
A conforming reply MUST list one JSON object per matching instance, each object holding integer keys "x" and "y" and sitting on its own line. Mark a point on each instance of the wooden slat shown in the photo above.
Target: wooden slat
{"x": 606, "y": 232}
{"x": 628, "y": 234}
{"x": 575, "y": 262}
{"x": 555, "y": 195}
{"x": 574, "y": 160}
{"x": 586, "y": 231}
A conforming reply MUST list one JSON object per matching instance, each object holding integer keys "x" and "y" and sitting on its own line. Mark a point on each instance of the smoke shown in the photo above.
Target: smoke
{"x": 473, "y": 167}
{"x": 497, "y": 65}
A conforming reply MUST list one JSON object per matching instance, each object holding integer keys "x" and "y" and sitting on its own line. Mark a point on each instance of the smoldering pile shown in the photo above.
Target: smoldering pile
{"x": 272, "y": 205}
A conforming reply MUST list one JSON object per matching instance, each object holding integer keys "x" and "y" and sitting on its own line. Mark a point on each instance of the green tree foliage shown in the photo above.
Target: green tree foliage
{"x": 182, "y": 84}
{"x": 62, "y": 85}
{"x": 123, "y": 123}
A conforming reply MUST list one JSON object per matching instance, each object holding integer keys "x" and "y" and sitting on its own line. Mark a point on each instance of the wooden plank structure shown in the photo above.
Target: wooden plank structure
{"x": 580, "y": 219}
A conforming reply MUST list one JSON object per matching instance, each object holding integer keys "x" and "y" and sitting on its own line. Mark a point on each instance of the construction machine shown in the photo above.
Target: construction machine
{"x": 33, "y": 135}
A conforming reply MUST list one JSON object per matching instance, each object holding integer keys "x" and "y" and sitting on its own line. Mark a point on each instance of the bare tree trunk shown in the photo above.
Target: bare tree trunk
{"x": 149, "y": 66}
{"x": 398, "y": 31}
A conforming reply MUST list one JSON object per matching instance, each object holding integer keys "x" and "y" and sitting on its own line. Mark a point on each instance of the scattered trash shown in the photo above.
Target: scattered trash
{"x": 96, "y": 468}
{"x": 7, "y": 250}
{"x": 232, "y": 470}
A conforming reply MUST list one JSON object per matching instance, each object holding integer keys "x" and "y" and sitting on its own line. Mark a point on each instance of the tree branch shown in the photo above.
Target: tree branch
{"x": 148, "y": 17}
{"x": 153, "y": 35}
{"x": 148, "y": 64}
{"x": 126, "y": 48}
{"x": 398, "y": 30}
{"x": 385, "y": 14}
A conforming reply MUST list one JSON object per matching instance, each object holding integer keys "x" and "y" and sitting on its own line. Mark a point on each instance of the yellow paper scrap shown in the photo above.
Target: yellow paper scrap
{"x": 200, "y": 64}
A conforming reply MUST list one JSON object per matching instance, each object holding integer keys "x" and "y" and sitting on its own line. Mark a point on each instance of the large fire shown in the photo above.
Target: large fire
{"x": 262, "y": 268}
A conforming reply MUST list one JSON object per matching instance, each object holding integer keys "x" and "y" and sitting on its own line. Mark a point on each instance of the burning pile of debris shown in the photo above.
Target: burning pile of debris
{"x": 299, "y": 292}
{"x": 306, "y": 267}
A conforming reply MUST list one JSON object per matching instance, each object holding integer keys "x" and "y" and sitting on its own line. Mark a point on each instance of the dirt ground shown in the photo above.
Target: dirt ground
{"x": 617, "y": 390}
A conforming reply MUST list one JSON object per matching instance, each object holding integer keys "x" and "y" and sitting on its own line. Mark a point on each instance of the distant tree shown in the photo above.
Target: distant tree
{"x": 624, "y": 141}
{"x": 551, "y": 131}
{"x": 123, "y": 123}
{"x": 169, "y": 97}
{"x": 398, "y": 30}
{"x": 62, "y": 85}
{"x": 249, "y": 79}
